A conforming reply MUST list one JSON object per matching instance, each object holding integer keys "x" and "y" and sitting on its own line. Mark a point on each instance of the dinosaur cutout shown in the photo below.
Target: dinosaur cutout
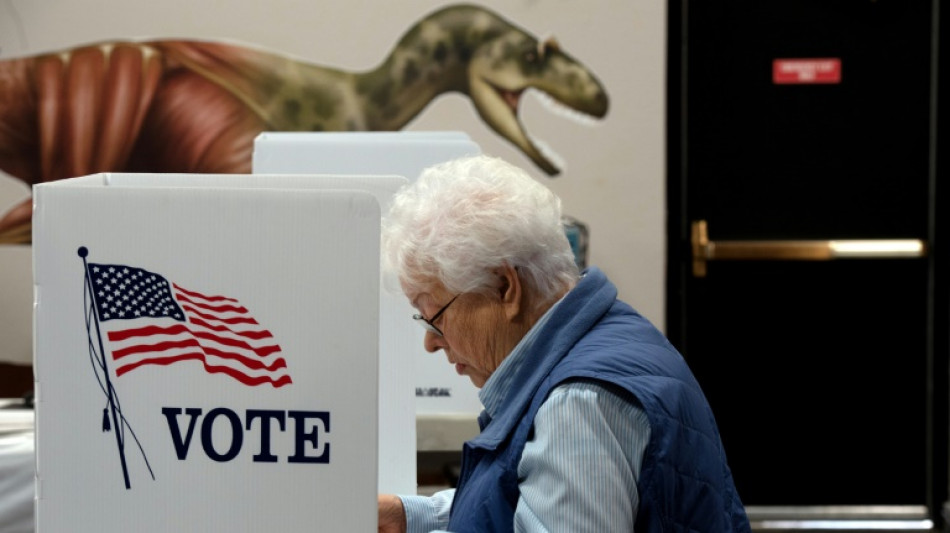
{"x": 195, "y": 107}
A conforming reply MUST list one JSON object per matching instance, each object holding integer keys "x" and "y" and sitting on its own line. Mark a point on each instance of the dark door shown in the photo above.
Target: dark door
{"x": 802, "y": 284}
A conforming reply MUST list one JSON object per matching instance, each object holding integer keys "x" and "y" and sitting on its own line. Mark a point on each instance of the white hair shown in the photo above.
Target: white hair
{"x": 464, "y": 218}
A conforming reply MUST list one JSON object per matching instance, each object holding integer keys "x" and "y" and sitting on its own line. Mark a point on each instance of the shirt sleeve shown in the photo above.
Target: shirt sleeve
{"x": 579, "y": 472}
{"x": 425, "y": 514}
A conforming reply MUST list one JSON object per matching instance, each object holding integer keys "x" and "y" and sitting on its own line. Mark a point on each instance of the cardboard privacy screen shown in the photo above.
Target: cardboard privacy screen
{"x": 205, "y": 357}
{"x": 397, "y": 417}
{"x": 438, "y": 389}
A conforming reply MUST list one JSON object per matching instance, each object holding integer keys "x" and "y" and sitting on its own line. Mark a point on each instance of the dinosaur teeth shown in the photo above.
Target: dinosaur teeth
{"x": 547, "y": 152}
{"x": 562, "y": 110}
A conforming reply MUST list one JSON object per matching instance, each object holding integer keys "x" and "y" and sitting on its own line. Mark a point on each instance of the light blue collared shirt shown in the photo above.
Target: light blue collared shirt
{"x": 579, "y": 472}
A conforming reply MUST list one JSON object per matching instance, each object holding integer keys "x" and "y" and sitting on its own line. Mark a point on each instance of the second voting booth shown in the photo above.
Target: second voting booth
{"x": 446, "y": 404}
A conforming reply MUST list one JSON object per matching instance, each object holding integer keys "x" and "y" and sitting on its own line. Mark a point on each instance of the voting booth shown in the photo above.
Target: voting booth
{"x": 443, "y": 398}
{"x": 206, "y": 353}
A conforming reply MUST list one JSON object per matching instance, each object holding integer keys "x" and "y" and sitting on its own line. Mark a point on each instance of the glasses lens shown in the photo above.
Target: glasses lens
{"x": 426, "y": 324}
{"x": 429, "y": 325}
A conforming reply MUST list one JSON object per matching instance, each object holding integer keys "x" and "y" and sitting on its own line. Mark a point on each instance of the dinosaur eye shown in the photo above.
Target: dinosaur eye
{"x": 531, "y": 56}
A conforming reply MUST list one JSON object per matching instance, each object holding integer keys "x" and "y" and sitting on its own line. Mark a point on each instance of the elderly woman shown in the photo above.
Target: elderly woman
{"x": 592, "y": 421}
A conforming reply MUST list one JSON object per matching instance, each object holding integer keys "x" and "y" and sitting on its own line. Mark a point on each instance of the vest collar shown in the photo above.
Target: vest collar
{"x": 577, "y": 313}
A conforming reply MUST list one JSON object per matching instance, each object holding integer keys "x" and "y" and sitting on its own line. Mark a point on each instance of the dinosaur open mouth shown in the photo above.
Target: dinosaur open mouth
{"x": 534, "y": 148}
{"x": 511, "y": 98}
{"x": 504, "y": 108}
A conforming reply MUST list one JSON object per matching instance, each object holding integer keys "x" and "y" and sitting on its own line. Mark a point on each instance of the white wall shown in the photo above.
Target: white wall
{"x": 614, "y": 179}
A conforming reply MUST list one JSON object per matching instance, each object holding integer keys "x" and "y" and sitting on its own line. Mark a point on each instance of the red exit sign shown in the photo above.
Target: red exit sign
{"x": 809, "y": 70}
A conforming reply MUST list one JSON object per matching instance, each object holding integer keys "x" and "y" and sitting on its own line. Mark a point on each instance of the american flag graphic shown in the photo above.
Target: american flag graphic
{"x": 170, "y": 324}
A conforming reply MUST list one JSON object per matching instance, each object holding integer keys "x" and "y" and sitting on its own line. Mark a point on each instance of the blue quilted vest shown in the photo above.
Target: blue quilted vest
{"x": 685, "y": 483}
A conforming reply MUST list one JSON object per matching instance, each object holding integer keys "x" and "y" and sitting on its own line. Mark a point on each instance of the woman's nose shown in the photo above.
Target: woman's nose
{"x": 433, "y": 342}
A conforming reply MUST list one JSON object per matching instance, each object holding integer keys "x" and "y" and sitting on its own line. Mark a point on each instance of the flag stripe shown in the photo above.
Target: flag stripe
{"x": 262, "y": 351}
{"x": 250, "y": 380}
{"x": 202, "y": 296}
{"x": 196, "y": 318}
{"x": 146, "y": 349}
{"x": 146, "y": 331}
{"x": 151, "y": 348}
{"x": 244, "y": 378}
{"x": 159, "y": 361}
{"x": 215, "y": 308}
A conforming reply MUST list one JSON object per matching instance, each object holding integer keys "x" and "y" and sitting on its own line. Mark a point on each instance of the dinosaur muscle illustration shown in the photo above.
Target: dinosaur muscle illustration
{"x": 196, "y": 106}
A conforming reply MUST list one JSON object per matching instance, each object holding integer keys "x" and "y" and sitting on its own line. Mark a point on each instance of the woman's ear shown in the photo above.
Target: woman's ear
{"x": 509, "y": 290}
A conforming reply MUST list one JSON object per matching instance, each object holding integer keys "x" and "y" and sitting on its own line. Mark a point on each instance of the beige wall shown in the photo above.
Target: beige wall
{"x": 614, "y": 179}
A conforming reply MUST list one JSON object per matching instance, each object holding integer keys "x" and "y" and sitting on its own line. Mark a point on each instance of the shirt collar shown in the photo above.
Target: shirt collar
{"x": 496, "y": 388}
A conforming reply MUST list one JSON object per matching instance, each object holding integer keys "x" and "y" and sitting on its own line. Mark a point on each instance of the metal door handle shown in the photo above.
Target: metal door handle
{"x": 706, "y": 250}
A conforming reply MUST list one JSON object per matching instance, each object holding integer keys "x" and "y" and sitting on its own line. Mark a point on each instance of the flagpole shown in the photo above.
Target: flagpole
{"x": 83, "y": 252}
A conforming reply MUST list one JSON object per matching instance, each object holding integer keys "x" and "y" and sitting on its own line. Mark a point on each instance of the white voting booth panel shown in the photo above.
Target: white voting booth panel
{"x": 439, "y": 390}
{"x": 397, "y": 429}
{"x": 400, "y": 153}
{"x": 201, "y": 357}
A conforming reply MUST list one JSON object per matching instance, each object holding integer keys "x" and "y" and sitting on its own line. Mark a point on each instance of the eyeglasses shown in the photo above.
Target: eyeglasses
{"x": 429, "y": 324}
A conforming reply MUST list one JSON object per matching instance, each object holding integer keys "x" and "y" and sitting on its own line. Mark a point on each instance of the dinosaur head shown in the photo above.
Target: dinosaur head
{"x": 503, "y": 69}
{"x": 470, "y": 49}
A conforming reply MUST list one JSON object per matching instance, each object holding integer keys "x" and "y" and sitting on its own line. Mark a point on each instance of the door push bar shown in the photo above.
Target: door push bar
{"x": 706, "y": 250}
